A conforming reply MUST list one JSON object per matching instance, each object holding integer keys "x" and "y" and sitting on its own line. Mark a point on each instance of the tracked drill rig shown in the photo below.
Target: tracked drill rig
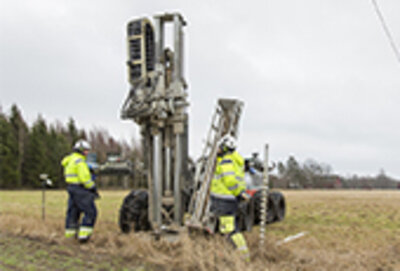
{"x": 178, "y": 190}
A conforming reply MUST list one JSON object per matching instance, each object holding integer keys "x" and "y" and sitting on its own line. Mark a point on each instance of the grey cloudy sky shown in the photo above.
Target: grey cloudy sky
{"x": 318, "y": 78}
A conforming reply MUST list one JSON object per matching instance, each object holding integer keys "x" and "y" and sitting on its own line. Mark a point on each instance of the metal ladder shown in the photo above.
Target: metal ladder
{"x": 224, "y": 121}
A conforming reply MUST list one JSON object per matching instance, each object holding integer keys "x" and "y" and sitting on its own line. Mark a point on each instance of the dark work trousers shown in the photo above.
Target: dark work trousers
{"x": 224, "y": 207}
{"x": 80, "y": 201}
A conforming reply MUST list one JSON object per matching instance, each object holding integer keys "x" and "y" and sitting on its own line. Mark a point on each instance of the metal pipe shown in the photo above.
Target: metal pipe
{"x": 159, "y": 38}
{"x": 177, "y": 48}
{"x": 167, "y": 160}
{"x": 264, "y": 197}
{"x": 177, "y": 179}
{"x": 157, "y": 177}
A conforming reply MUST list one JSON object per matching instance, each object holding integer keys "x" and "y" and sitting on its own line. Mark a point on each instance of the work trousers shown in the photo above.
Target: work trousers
{"x": 226, "y": 210}
{"x": 80, "y": 201}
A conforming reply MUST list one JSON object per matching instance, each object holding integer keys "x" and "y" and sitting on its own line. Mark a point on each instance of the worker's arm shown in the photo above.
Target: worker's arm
{"x": 229, "y": 177}
{"x": 239, "y": 170}
{"x": 84, "y": 175}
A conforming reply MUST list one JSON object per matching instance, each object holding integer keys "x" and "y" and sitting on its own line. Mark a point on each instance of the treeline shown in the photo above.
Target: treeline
{"x": 26, "y": 152}
{"x": 311, "y": 174}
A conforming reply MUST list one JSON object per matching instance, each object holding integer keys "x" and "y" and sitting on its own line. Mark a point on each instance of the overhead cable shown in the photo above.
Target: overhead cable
{"x": 386, "y": 29}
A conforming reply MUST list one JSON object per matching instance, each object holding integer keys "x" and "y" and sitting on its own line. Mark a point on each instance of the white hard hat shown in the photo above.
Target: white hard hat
{"x": 82, "y": 145}
{"x": 228, "y": 141}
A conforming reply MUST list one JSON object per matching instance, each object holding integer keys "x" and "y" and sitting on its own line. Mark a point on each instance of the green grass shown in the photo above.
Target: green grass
{"x": 29, "y": 204}
{"x": 25, "y": 254}
{"x": 347, "y": 230}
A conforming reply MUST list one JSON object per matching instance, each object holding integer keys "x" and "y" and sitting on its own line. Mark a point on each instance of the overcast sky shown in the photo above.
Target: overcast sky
{"x": 318, "y": 78}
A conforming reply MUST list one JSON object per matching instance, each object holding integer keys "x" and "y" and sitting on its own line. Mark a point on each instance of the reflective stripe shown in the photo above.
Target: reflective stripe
{"x": 78, "y": 161}
{"x": 71, "y": 175}
{"x": 85, "y": 229}
{"x": 239, "y": 178}
{"x": 226, "y": 161}
{"x": 89, "y": 184}
{"x": 70, "y": 233}
{"x": 243, "y": 248}
{"x": 84, "y": 232}
{"x": 228, "y": 173}
{"x": 231, "y": 188}
{"x": 219, "y": 196}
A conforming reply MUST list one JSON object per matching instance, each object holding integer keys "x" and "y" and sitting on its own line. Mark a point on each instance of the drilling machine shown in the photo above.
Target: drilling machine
{"x": 177, "y": 191}
{"x": 157, "y": 102}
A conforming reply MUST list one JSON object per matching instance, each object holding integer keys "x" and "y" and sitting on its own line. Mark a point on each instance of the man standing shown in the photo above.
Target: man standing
{"x": 82, "y": 193}
{"x": 227, "y": 188}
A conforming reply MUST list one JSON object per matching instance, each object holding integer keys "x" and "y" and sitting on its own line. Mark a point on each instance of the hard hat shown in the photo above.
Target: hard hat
{"x": 82, "y": 145}
{"x": 228, "y": 141}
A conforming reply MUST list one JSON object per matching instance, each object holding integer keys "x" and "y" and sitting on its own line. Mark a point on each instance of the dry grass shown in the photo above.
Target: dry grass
{"x": 347, "y": 230}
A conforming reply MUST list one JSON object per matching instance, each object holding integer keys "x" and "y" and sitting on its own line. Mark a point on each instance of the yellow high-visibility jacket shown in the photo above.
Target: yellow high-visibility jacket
{"x": 239, "y": 166}
{"x": 76, "y": 170}
{"x": 228, "y": 181}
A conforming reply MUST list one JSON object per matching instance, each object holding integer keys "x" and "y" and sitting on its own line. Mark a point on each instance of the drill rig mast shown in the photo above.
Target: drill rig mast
{"x": 157, "y": 102}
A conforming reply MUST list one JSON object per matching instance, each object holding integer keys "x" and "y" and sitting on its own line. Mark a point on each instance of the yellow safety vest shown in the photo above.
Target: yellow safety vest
{"x": 76, "y": 170}
{"x": 228, "y": 177}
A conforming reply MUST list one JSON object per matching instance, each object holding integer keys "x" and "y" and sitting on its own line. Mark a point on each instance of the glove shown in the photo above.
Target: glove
{"x": 94, "y": 191}
{"x": 244, "y": 197}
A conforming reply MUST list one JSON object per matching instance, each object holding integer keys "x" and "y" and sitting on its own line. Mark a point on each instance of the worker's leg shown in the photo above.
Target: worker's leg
{"x": 227, "y": 227}
{"x": 88, "y": 207}
{"x": 72, "y": 216}
{"x": 241, "y": 245}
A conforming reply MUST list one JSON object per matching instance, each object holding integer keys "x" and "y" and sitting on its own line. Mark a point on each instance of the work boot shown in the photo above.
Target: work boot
{"x": 71, "y": 233}
{"x": 83, "y": 240}
{"x": 84, "y": 234}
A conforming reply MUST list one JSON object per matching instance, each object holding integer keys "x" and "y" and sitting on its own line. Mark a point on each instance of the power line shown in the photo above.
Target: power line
{"x": 386, "y": 29}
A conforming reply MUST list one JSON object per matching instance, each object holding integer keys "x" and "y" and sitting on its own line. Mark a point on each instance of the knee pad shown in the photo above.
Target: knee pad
{"x": 226, "y": 224}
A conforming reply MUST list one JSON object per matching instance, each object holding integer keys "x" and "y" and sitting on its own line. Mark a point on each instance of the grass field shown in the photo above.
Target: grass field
{"x": 346, "y": 230}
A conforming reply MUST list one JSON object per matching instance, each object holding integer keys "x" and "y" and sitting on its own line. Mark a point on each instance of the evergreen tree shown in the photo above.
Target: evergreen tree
{"x": 57, "y": 147}
{"x": 37, "y": 160}
{"x": 72, "y": 132}
{"x": 8, "y": 150}
{"x": 82, "y": 135}
{"x": 281, "y": 169}
{"x": 20, "y": 133}
{"x": 294, "y": 173}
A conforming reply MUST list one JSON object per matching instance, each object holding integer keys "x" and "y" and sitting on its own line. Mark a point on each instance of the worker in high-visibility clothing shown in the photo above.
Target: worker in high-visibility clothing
{"x": 227, "y": 189}
{"x": 82, "y": 192}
